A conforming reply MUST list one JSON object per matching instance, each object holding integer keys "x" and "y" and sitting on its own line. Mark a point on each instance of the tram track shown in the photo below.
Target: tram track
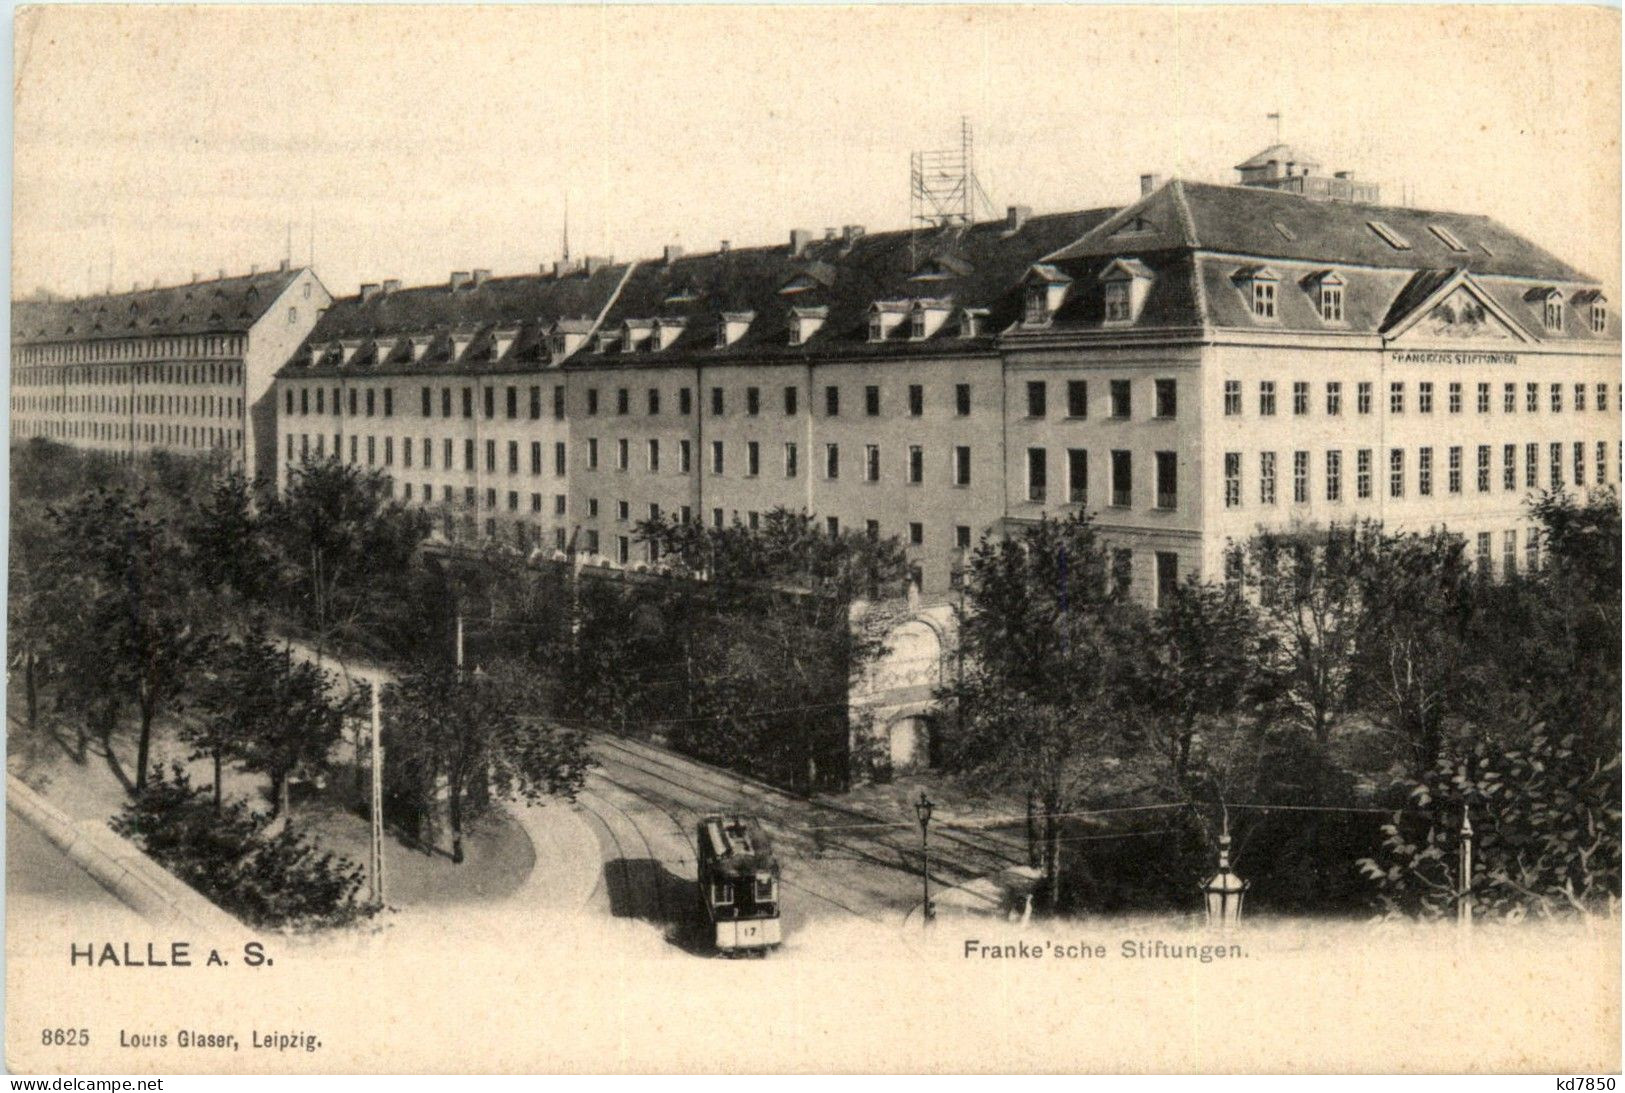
{"x": 985, "y": 855}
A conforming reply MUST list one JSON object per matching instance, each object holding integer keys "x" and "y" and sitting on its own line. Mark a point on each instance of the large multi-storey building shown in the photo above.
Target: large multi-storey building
{"x": 1203, "y": 362}
{"x": 184, "y": 368}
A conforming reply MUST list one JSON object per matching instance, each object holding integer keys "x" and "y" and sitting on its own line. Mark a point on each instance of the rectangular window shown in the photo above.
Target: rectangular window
{"x": 1362, "y": 474}
{"x": 1531, "y": 397}
{"x": 753, "y": 401}
{"x": 1167, "y": 576}
{"x": 592, "y": 453}
{"x": 962, "y": 399}
{"x": 1555, "y": 455}
{"x": 1602, "y": 396}
{"x": 1579, "y": 397}
{"x": 1266, "y": 478}
{"x": 1579, "y": 463}
{"x": 1509, "y": 398}
{"x": 871, "y": 463}
{"x": 1483, "y": 468}
{"x": 652, "y": 397}
{"x": 685, "y": 457}
{"x": 1482, "y": 561}
{"x": 716, "y": 402}
{"x": 468, "y": 402}
{"x": 916, "y": 400}
{"x": 1334, "y": 399}
{"x": 1167, "y": 480}
{"x": 1122, "y": 571}
{"x": 833, "y": 523}
{"x": 513, "y": 457}
{"x": 1300, "y": 478}
{"x": 490, "y": 400}
{"x": 1453, "y": 397}
{"x": 1453, "y": 479}
{"x": 1602, "y": 461}
{"x": 871, "y": 401}
{"x": 1531, "y": 465}
{"x": 1396, "y": 472}
{"x": 790, "y": 469}
{"x": 1037, "y": 474}
{"x": 962, "y": 465}
{"x": 372, "y": 444}
{"x": 1167, "y": 399}
{"x": 753, "y": 458}
{"x": 1334, "y": 475}
{"x": 491, "y": 457}
{"x": 389, "y": 402}
{"x": 916, "y": 465}
{"x": 717, "y": 457}
{"x": 832, "y": 461}
{"x": 1035, "y": 398}
{"x": 1232, "y": 398}
{"x": 1509, "y": 466}
{"x": 653, "y": 455}
{"x": 372, "y": 399}
{"x": 1362, "y": 397}
{"x": 1557, "y": 398}
{"x": 1424, "y": 397}
{"x": 685, "y": 401}
{"x": 622, "y": 454}
{"x": 1121, "y": 403}
{"x": 1266, "y": 398}
{"x": 1232, "y": 480}
{"x": 1396, "y": 397}
{"x": 1424, "y": 472}
{"x": 1483, "y": 398}
{"x": 1122, "y": 478}
{"x": 510, "y": 402}
{"x": 1077, "y": 473}
{"x": 535, "y": 457}
{"x": 1300, "y": 398}
{"x": 791, "y": 400}
{"x": 468, "y": 454}
{"x": 832, "y": 401}
{"x": 428, "y": 401}
{"x": 1077, "y": 398}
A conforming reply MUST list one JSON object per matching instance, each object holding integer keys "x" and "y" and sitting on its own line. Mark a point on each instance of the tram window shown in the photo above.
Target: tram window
{"x": 721, "y": 894}
{"x": 764, "y": 890}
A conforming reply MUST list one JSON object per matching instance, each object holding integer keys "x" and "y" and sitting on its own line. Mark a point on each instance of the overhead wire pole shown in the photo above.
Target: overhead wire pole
{"x": 377, "y": 809}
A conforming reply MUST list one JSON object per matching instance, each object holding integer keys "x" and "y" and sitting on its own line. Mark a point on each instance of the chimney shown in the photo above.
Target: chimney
{"x": 1149, "y": 183}
{"x": 222, "y": 276}
{"x": 253, "y": 269}
{"x": 391, "y": 285}
{"x": 723, "y": 247}
{"x": 282, "y": 267}
{"x": 135, "y": 286}
{"x": 1015, "y": 218}
{"x": 596, "y": 262}
{"x": 1342, "y": 174}
{"x": 672, "y": 253}
{"x": 369, "y": 293}
{"x": 481, "y": 276}
{"x": 458, "y": 280}
{"x": 829, "y": 234}
{"x": 800, "y": 238}
{"x": 194, "y": 276}
{"x": 851, "y": 233}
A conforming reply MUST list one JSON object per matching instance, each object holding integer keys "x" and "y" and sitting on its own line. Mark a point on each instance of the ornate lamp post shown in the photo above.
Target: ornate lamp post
{"x": 922, "y": 808}
{"x": 1224, "y": 890}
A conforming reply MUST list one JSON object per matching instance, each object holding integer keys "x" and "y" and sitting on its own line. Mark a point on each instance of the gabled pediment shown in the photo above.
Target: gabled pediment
{"x": 1454, "y": 308}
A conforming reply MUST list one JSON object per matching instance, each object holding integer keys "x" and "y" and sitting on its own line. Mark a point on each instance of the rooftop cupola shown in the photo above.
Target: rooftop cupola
{"x": 1284, "y": 168}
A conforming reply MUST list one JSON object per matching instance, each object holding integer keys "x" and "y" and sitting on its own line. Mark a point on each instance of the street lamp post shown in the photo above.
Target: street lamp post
{"x": 922, "y": 808}
{"x": 1224, "y": 889}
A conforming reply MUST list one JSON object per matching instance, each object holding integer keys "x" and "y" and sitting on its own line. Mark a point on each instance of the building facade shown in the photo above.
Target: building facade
{"x": 187, "y": 368}
{"x": 1204, "y": 362}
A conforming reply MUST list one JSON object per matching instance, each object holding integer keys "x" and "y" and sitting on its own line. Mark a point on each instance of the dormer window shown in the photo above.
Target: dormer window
{"x": 926, "y": 318}
{"x": 970, "y": 321}
{"x": 885, "y": 315}
{"x": 665, "y": 333}
{"x": 1599, "y": 315}
{"x": 733, "y": 327}
{"x": 1259, "y": 284}
{"x": 1124, "y": 285}
{"x": 1045, "y": 289}
{"x": 804, "y": 323}
{"x": 1552, "y": 312}
{"x": 1327, "y": 293}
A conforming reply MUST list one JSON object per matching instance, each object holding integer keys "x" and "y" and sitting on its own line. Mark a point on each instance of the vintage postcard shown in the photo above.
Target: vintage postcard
{"x": 814, "y": 539}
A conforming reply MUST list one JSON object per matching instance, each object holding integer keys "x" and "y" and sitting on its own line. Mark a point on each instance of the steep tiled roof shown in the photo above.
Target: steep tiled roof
{"x": 528, "y": 304}
{"x": 229, "y": 305}
{"x": 979, "y": 267}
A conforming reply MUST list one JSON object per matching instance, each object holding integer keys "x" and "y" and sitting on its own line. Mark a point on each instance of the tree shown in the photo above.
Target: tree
{"x": 344, "y": 546}
{"x": 1050, "y": 681}
{"x": 1306, "y": 585}
{"x": 227, "y": 540}
{"x": 141, "y": 630}
{"x": 230, "y": 856}
{"x": 470, "y": 731}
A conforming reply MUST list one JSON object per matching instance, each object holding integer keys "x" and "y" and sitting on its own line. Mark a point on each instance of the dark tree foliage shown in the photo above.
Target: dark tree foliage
{"x": 268, "y": 880}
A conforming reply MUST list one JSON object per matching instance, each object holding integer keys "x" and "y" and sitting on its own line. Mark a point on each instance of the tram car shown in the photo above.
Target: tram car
{"x": 739, "y": 884}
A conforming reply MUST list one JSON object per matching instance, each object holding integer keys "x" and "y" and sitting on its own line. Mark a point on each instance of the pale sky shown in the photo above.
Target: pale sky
{"x": 422, "y": 140}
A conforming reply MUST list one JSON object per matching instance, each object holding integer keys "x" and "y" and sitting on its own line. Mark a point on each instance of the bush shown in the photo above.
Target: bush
{"x": 279, "y": 880}
{"x": 1545, "y": 817}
